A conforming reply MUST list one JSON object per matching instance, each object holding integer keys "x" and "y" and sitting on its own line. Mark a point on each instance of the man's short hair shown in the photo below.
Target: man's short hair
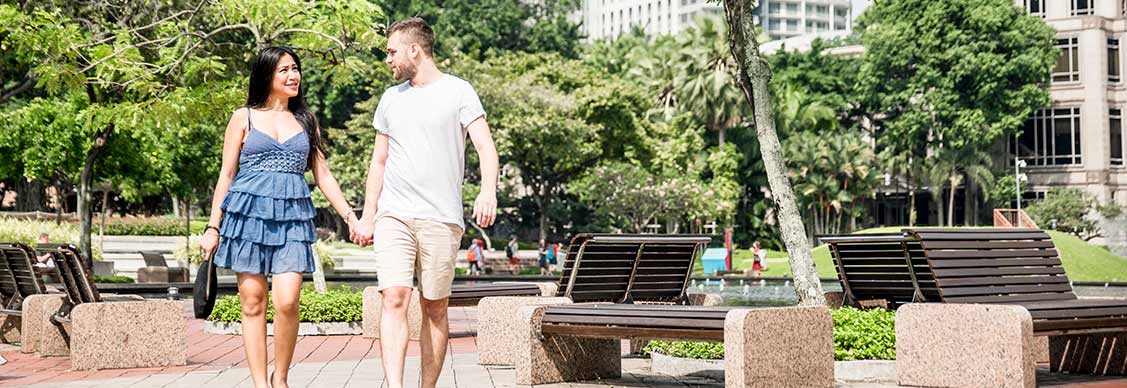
{"x": 415, "y": 30}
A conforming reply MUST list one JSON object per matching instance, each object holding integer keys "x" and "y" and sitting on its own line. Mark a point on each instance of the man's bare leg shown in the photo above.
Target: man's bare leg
{"x": 433, "y": 340}
{"x": 393, "y": 333}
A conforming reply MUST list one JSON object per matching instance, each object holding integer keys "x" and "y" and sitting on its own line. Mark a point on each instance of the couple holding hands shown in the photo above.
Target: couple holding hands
{"x": 261, "y": 216}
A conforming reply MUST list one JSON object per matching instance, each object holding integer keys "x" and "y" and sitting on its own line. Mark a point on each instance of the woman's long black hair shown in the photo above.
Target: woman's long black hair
{"x": 262, "y": 76}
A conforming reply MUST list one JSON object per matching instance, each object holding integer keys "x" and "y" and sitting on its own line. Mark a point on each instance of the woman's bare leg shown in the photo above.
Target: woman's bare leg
{"x": 287, "y": 293}
{"x": 252, "y": 295}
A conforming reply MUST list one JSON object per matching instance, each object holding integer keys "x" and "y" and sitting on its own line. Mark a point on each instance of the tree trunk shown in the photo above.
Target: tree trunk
{"x": 951, "y": 201}
{"x": 542, "y": 208}
{"x": 60, "y": 203}
{"x": 29, "y": 194}
{"x": 721, "y": 137}
{"x": 84, "y": 186}
{"x": 187, "y": 229}
{"x": 484, "y": 236}
{"x": 970, "y": 202}
{"x": 754, "y": 76}
{"x": 102, "y": 225}
{"x": 911, "y": 199}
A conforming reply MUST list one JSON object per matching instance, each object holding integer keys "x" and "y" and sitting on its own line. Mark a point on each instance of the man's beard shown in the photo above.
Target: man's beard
{"x": 406, "y": 71}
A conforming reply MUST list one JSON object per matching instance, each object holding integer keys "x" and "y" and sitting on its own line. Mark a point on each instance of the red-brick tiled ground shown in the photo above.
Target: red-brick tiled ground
{"x": 214, "y": 352}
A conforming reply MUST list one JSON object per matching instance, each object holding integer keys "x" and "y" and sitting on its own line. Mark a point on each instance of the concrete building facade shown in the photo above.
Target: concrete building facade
{"x": 1078, "y": 141}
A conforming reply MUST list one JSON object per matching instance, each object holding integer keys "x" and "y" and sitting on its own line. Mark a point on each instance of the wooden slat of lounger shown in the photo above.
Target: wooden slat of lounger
{"x": 995, "y": 263}
{"x": 987, "y": 244}
{"x": 20, "y": 259}
{"x": 641, "y": 313}
{"x": 1103, "y": 312}
{"x": 633, "y": 332}
{"x": 992, "y": 254}
{"x": 880, "y": 269}
{"x": 1011, "y": 298}
{"x": 963, "y": 282}
{"x": 651, "y": 322}
{"x": 1062, "y": 326}
{"x": 1070, "y": 304}
{"x": 970, "y": 236}
{"x": 980, "y": 272}
{"x": 650, "y": 307}
{"x": 1006, "y": 290}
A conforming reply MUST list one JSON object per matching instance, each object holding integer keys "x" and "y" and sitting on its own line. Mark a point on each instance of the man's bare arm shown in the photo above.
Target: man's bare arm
{"x": 485, "y": 207}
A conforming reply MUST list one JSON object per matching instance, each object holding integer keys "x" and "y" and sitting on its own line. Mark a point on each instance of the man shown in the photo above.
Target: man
{"x": 413, "y": 200}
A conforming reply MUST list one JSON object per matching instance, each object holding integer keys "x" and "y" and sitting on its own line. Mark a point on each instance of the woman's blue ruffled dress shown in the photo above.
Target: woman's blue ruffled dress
{"x": 267, "y": 225}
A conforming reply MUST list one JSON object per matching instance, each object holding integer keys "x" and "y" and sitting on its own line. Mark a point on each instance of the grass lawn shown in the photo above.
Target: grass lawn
{"x": 1082, "y": 261}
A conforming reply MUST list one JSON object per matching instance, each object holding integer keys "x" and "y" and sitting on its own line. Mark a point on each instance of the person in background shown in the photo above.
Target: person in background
{"x": 760, "y": 256}
{"x": 512, "y": 250}
{"x": 43, "y": 260}
{"x": 552, "y": 249}
{"x": 542, "y": 257}
{"x": 474, "y": 256}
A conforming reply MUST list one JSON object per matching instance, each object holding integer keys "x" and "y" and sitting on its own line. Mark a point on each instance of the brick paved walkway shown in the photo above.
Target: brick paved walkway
{"x": 216, "y": 361}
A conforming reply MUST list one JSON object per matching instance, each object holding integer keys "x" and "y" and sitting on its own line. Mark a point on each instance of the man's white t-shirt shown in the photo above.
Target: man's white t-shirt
{"x": 426, "y": 127}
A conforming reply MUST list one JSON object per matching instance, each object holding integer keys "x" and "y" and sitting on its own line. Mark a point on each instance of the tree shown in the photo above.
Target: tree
{"x": 838, "y": 171}
{"x": 1066, "y": 210}
{"x": 953, "y": 166}
{"x": 124, "y": 61}
{"x": 709, "y": 88}
{"x": 484, "y": 28}
{"x": 754, "y": 76}
{"x": 950, "y": 74}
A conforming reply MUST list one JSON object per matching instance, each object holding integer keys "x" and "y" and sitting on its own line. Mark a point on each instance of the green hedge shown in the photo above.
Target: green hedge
{"x": 113, "y": 279}
{"x": 337, "y": 305}
{"x": 27, "y": 232}
{"x": 858, "y": 335}
{"x": 152, "y": 226}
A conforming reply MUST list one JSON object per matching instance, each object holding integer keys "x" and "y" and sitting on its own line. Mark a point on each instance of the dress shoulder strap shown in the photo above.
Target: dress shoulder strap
{"x": 246, "y": 133}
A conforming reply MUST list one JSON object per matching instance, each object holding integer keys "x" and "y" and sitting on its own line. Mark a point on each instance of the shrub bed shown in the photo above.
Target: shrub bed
{"x": 27, "y": 232}
{"x": 148, "y": 226}
{"x": 858, "y": 335}
{"x": 113, "y": 279}
{"x": 337, "y": 305}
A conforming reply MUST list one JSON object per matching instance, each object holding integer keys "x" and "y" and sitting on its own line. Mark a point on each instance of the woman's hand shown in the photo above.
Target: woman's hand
{"x": 210, "y": 242}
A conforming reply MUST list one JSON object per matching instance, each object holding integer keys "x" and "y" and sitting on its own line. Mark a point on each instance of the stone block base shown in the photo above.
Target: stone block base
{"x": 40, "y": 334}
{"x": 371, "y": 314}
{"x": 162, "y": 274}
{"x": 500, "y": 326}
{"x": 779, "y": 348}
{"x": 111, "y": 335}
{"x": 1096, "y": 354}
{"x": 834, "y": 299}
{"x": 964, "y": 345}
{"x": 10, "y": 326}
{"x": 554, "y": 359}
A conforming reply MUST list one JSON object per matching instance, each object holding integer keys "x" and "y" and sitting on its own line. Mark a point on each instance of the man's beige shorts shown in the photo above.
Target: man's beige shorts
{"x": 405, "y": 246}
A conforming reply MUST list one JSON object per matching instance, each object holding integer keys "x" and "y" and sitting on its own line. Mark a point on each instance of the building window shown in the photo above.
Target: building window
{"x": 1050, "y": 138}
{"x": 1068, "y": 65}
{"x": 1115, "y": 122}
{"x": 792, "y": 25}
{"x": 773, "y": 8}
{"x": 792, "y": 9}
{"x": 1035, "y": 7}
{"x": 1113, "y": 60}
{"x": 1081, "y": 7}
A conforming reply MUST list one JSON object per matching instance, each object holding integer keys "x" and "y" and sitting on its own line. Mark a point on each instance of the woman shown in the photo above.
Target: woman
{"x": 261, "y": 215}
{"x": 760, "y": 257}
{"x": 475, "y": 256}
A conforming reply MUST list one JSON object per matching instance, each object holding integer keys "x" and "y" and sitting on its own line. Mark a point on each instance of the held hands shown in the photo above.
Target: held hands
{"x": 485, "y": 209}
{"x": 361, "y": 231}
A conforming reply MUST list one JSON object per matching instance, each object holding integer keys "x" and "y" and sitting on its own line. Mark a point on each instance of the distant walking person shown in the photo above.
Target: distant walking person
{"x": 474, "y": 256}
{"x": 413, "y": 201}
{"x": 758, "y": 259}
{"x": 552, "y": 252}
{"x": 261, "y": 213}
{"x": 542, "y": 257}
{"x": 512, "y": 250}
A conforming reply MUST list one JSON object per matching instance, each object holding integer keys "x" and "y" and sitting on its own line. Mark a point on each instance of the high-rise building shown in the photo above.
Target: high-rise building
{"x": 607, "y": 19}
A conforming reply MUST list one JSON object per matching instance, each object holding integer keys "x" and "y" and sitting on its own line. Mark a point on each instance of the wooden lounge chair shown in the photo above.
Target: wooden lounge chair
{"x": 104, "y": 331}
{"x": 18, "y": 281}
{"x": 873, "y": 270}
{"x": 615, "y": 268}
{"x": 1011, "y": 267}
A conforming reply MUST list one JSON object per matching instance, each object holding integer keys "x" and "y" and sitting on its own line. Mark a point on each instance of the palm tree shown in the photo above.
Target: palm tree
{"x": 953, "y": 166}
{"x": 710, "y": 89}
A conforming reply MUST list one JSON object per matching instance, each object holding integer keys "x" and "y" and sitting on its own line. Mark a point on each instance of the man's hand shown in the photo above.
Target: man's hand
{"x": 362, "y": 231}
{"x": 485, "y": 209}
